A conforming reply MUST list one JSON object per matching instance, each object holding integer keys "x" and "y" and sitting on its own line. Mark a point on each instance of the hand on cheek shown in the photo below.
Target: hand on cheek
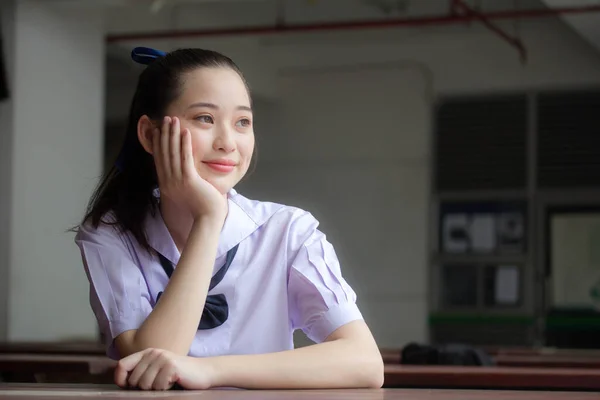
{"x": 178, "y": 177}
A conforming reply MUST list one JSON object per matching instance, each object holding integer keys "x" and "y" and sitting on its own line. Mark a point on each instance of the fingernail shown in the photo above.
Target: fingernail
{"x": 166, "y": 120}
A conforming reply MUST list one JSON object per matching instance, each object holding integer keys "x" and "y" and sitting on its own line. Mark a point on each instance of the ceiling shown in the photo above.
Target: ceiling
{"x": 586, "y": 25}
{"x": 152, "y": 15}
{"x": 134, "y": 16}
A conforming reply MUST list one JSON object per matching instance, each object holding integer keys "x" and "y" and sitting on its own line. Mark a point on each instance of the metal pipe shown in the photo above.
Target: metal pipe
{"x": 513, "y": 41}
{"x": 371, "y": 24}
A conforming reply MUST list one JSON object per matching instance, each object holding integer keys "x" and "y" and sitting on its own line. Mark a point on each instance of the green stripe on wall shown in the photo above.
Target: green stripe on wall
{"x": 478, "y": 319}
{"x": 563, "y": 322}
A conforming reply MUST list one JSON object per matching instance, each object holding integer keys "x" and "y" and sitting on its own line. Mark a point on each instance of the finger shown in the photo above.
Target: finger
{"x": 166, "y": 377}
{"x": 175, "y": 148}
{"x": 187, "y": 157}
{"x": 141, "y": 367}
{"x": 146, "y": 381}
{"x": 164, "y": 143}
{"x": 125, "y": 366}
{"x": 157, "y": 157}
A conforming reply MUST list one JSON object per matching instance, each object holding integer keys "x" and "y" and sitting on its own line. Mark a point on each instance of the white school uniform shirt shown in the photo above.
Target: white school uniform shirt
{"x": 285, "y": 276}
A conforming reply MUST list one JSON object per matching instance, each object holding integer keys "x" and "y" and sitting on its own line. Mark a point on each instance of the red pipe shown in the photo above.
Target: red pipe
{"x": 421, "y": 21}
{"x": 515, "y": 42}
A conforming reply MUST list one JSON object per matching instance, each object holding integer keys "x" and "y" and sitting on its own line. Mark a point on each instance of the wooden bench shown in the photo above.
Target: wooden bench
{"x": 56, "y": 368}
{"x": 408, "y": 376}
{"x": 540, "y": 351}
{"x": 87, "y": 348}
{"x": 547, "y": 361}
{"x": 524, "y": 358}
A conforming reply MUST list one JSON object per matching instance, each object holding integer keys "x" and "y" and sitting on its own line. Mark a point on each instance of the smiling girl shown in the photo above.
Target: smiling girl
{"x": 194, "y": 284}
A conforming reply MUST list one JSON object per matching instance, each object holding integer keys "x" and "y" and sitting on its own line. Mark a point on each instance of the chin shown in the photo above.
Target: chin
{"x": 222, "y": 187}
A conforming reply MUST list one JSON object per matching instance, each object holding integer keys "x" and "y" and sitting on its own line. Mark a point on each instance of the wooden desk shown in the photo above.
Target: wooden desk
{"x": 56, "y": 368}
{"x": 86, "y": 392}
{"x": 403, "y": 376}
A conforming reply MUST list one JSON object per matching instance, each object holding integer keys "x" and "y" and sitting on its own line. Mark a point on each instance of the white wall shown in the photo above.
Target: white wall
{"x": 6, "y": 120}
{"x": 56, "y": 149}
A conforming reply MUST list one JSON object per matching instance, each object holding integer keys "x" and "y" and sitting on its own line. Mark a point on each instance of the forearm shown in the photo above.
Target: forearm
{"x": 173, "y": 323}
{"x": 341, "y": 363}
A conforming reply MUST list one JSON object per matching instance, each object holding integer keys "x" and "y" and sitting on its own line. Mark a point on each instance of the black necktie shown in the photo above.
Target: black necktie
{"x": 216, "y": 310}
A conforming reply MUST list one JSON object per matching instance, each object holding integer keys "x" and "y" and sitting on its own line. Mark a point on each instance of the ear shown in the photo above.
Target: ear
{"x": 145, "y": 127}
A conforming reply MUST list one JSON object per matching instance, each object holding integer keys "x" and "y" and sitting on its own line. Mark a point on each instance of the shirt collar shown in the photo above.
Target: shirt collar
{"x": 243, "y": 218}
{"x": 159, "y": 237}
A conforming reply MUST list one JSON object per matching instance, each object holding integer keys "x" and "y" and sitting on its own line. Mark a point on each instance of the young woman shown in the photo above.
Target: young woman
{"x": 194, "y": 284}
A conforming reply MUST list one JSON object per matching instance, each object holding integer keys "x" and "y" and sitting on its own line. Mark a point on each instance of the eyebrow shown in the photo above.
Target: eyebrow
{"x": 215, "y": 107}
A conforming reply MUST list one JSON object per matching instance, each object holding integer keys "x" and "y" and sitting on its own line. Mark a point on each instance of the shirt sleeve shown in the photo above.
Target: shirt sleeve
{"x": 119, "y": 296}
{"x": 320, "y": 300}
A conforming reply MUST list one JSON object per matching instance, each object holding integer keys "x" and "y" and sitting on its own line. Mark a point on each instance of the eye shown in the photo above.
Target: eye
{"x": 205, "y": 119}
{"x": 244, "y": 123}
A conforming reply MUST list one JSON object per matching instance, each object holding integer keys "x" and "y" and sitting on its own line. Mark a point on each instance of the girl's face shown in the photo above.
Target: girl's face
{"x": 215, "y": 106}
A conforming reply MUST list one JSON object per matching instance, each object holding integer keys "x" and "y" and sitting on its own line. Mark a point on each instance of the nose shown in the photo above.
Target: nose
{"x": 224, "y": 140}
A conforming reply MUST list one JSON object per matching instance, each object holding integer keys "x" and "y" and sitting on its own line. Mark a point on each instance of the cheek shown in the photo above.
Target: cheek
{"x": 246, "y": 148}
{"x": 199, "y": 146}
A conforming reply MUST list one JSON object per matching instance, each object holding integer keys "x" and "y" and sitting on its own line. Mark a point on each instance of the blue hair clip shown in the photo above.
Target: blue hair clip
{"x": 145, "y": 55}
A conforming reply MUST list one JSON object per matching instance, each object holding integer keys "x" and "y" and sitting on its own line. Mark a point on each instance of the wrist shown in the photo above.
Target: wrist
{"x": 209, "y": 221}
{"x": 215, "y": 371}
{"x": 216, "y": 214}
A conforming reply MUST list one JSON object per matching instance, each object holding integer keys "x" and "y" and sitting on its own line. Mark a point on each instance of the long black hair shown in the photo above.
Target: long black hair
{"x": 127, "y": 187}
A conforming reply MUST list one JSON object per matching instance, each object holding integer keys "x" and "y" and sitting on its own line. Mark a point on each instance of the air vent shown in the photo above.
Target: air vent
{"x": 568, "y": 140}
{"x": 481, "y": 143}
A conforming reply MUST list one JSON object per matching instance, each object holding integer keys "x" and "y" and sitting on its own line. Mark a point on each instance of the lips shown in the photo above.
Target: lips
{"x": 222, "y": 165}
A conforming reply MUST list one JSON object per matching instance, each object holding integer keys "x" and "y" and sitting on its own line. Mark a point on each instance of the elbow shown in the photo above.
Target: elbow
{"x": 371, "y": 371}
{"x": 376, "y": 376}
{"x": 376, "y": 381}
